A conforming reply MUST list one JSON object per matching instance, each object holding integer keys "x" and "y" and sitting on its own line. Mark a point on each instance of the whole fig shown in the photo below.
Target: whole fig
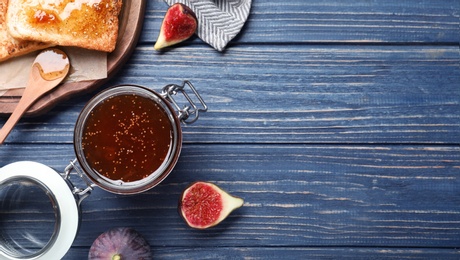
{"x": 120, "y": 243}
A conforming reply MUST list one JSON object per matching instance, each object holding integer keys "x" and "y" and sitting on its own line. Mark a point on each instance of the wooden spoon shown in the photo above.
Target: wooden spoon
{"x": 48, "y": 70}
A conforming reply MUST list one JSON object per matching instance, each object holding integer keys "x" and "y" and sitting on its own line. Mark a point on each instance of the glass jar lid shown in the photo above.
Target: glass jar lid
{"x": 24, "y": 187}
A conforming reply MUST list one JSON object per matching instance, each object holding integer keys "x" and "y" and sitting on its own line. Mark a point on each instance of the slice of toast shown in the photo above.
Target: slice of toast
{"x": 9, "y": 46}
{"x": 90, "y": 24}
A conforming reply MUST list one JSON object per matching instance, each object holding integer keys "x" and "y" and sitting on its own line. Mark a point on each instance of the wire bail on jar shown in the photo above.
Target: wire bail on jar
{"x": 169, "y": 91}
{"x": 81, "y": 193}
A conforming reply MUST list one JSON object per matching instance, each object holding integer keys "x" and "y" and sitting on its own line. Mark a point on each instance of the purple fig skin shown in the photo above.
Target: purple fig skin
{"x": 120, "y": 244}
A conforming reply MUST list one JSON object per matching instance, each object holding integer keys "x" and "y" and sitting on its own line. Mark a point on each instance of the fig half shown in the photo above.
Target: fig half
{"x": 204, "y": 205}
{"x": 120, "y": 244}
{"x": 178, "y": 25}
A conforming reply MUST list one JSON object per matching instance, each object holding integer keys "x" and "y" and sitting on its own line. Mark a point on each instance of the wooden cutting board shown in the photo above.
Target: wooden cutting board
{"x": 131, "y": 20}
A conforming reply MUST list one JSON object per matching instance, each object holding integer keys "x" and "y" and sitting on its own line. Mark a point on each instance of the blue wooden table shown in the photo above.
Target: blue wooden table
{"x": 338, "y": 122}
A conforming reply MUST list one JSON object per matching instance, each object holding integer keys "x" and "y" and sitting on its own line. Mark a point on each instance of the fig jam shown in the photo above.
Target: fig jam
{"x": 126, "y": 137}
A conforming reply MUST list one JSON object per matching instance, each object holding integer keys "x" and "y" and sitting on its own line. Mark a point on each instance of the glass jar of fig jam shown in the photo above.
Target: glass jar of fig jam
{"x": 127, "y": 139}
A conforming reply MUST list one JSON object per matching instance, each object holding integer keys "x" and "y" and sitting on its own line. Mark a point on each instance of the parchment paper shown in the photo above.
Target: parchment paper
{"x": 85, "y": 65}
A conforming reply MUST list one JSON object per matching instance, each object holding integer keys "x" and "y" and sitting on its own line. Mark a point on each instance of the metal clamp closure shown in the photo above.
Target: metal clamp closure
{"x": 189, "y": 113}
{"x": 82, "y": 193}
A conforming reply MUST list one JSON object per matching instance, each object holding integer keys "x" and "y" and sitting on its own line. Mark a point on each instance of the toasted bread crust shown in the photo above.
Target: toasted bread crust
{"x": 11, "y": 47}
{"x": 90, "y": 24}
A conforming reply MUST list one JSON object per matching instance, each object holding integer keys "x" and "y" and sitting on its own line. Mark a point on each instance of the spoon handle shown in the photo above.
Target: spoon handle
{"x": 27, "y": 99}
{"x": 44, "y": 76}
{"x": 21, "y": 108}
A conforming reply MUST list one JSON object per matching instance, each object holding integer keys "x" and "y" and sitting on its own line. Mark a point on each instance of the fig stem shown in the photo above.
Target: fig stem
{"x": 116, "y": 257}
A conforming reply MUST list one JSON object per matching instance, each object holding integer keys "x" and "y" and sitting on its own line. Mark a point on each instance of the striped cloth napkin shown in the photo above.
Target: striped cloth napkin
{"x": 219, "y": 21}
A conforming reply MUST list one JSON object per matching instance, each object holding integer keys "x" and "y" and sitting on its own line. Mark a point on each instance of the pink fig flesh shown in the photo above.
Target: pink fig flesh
{"x": 120, "y": 244}
{"x": 204, "y": 205}
{"x": 179, "y": 24}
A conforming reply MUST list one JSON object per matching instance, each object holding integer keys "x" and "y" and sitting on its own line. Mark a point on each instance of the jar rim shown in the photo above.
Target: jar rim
{"x": 64, "y": 202}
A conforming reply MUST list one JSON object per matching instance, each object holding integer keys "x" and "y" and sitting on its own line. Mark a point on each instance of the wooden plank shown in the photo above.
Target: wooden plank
{"x": 306, "y": 21}
{"x": 295, "y": 195}
{"x": 265, "y": 253}
{"x": 296, "y": 94}
{"x": 336, "y": 121}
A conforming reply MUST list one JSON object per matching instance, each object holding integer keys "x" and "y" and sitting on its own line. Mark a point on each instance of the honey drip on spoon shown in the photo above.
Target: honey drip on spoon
{"x": 52, "y": 64}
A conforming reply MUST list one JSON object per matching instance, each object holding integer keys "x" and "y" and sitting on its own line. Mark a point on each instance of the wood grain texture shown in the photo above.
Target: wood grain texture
{"x": 295, "y": 195}
{"x": 296, "y": 94}
{"x": 336, "y": 21}
{"x": 337, "y": 121}
{"x": 275, "y": 253}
